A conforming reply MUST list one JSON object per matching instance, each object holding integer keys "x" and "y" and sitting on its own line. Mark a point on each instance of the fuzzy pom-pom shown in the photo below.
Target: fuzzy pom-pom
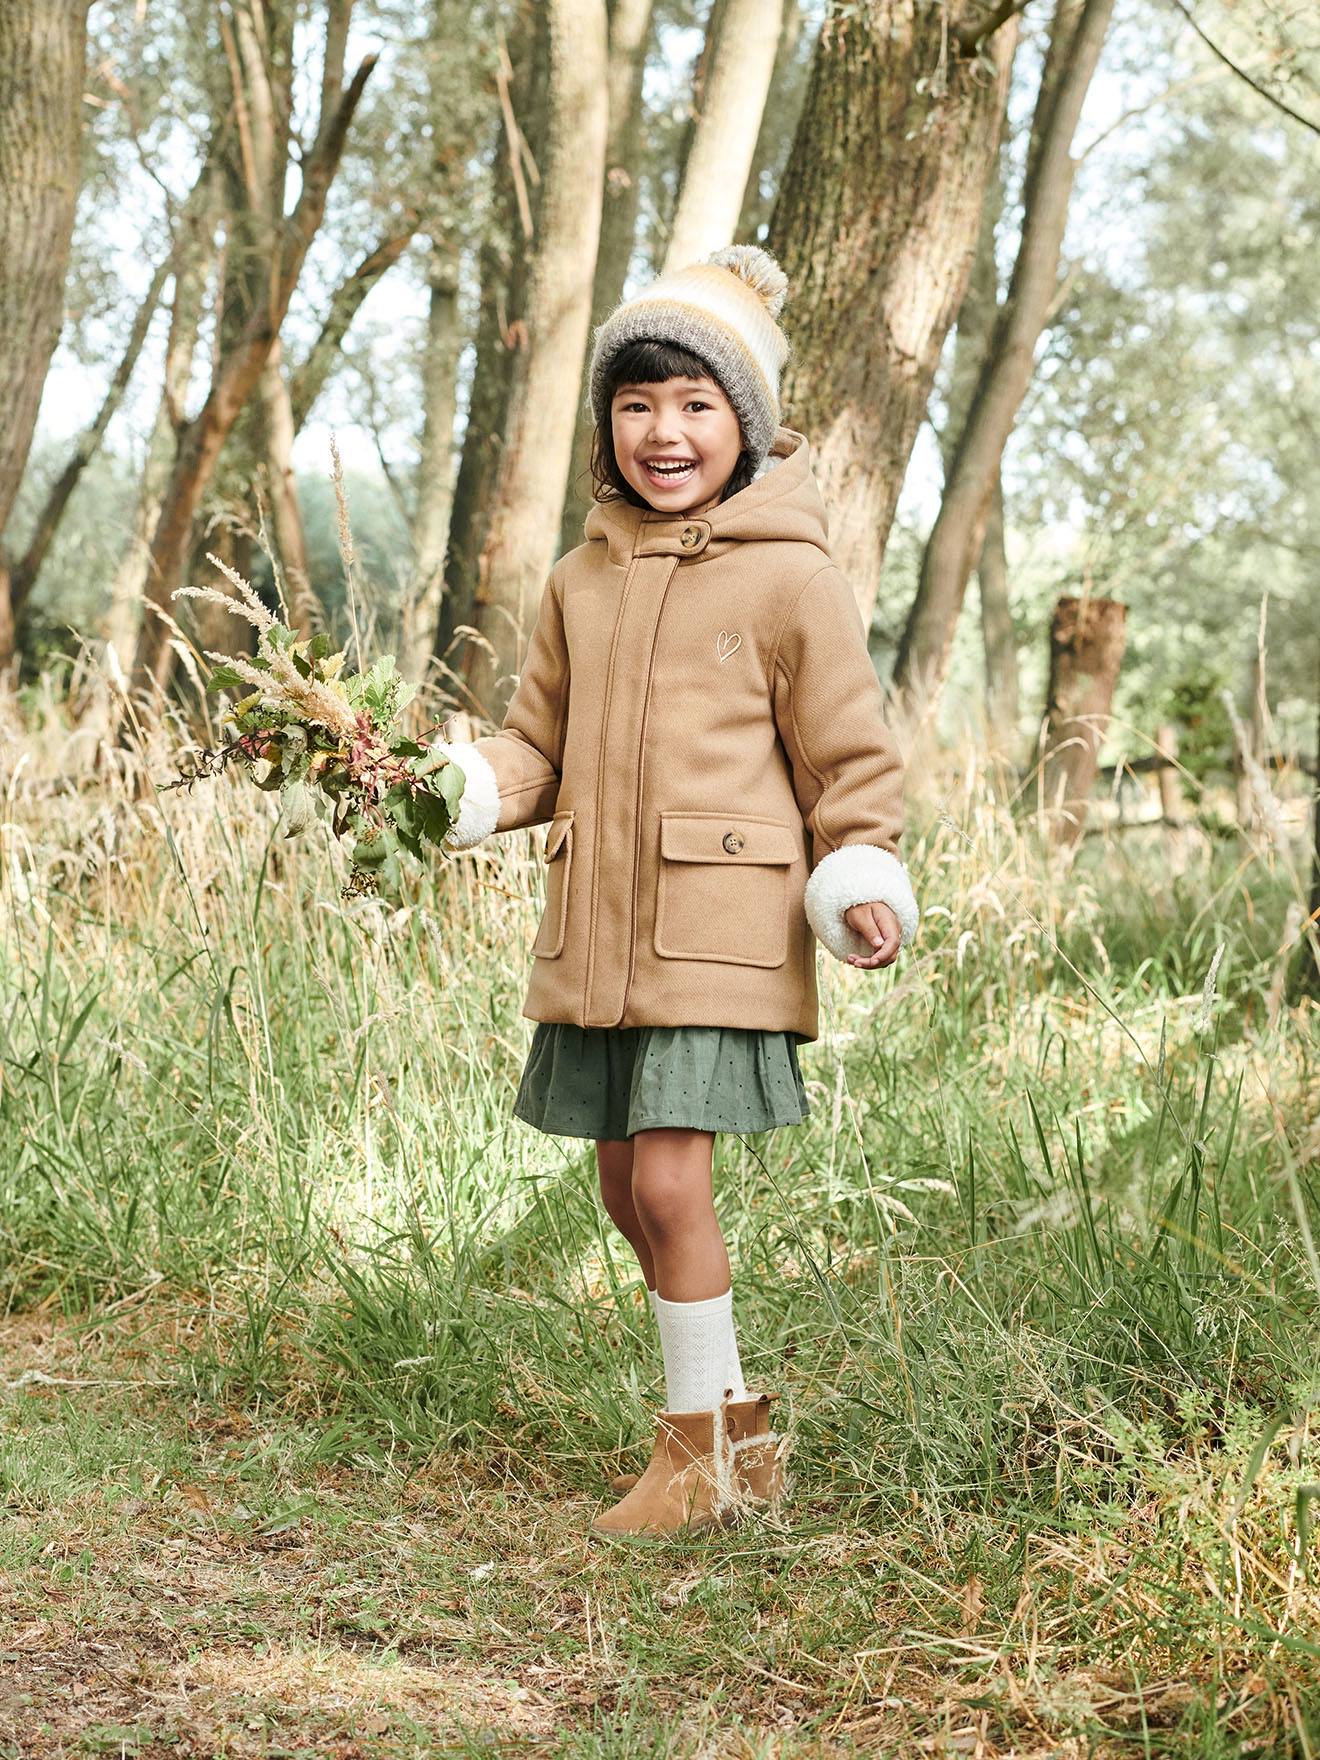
{"x": 758, "y": 269}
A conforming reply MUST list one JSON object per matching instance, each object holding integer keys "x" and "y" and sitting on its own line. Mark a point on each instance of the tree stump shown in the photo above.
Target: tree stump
{"x": 1087, "y": 639}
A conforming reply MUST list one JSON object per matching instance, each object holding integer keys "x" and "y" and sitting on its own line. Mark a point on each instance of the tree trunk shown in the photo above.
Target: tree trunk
{"x": 43, "y": 46}
{"x": 237, "y": 376}
{"x": 1002, "y": 700}
{"x": 959, "y": 530}
{"x": 630, "y": 33}
{"x": 530, "y": 496}
{"x": 435, "y": 464}
{"x": 727, "y": 129}
{"x": 1087, "y": 638}
{"x": 876, "y": 227}
{"x": 306, "y": 615}
{"x": 192, "y": 263}
{"x": 779, "y": 121}
{"x": 976, "y": 324}
{"x": 501, "y": 333}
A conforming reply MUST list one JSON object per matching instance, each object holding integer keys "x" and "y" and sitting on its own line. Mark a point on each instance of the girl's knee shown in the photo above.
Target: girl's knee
{"x": 668, "y": 1196}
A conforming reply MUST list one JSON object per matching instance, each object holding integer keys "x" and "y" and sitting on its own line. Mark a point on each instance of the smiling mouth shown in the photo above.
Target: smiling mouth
{"x": 668, "y": 470}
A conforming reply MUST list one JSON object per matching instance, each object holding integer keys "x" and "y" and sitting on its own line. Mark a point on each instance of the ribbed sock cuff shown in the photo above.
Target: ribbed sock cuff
{"x": 700, "y": 1352}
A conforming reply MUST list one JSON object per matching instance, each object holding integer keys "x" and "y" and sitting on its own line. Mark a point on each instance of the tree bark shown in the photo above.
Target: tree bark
{"x": 998, "y": 641}
{"x": 779, "y": 120}
{"x": 727, "y": 129}
{"x": 876, "y": 227}
{"x": 630, "y": 34}
{"x": 305, "y": 612}
{"x": 976, "y": 324}
{"x": 236, "y": 378}
{"x": 1087, "y": 638}
{"x": 435, "y": 466}
{"x": 530, "y": 496}
{"x": 959, "y": 530}
{"x": 43, "y": 46}
{"x": 501, "y": 330}
{"x": 193, "y": 256}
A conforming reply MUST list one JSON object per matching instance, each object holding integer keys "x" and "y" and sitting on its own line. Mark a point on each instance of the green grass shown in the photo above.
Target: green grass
{"x": 318, "y": 1361}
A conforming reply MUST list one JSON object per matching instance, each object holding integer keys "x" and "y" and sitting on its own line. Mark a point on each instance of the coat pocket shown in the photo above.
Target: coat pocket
{"x": 722, "y": 892}
{"x": 549, "y": 943}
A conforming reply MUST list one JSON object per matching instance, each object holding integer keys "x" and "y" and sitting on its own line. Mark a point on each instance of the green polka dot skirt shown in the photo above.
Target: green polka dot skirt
{"x": 607, "y": 1082}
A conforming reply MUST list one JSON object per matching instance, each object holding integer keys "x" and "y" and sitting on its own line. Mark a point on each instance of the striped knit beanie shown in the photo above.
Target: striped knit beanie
{"x": 722, "y": 308}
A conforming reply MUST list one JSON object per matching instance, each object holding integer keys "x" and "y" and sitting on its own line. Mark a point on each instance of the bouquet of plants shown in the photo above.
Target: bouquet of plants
{"x": 329, "y": 743}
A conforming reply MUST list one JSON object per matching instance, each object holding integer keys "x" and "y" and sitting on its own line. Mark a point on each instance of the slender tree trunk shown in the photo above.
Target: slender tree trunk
{"x": 435, "y": 463}
{"x": 286, "y": 508}
{"x": 529, "y": 499}
{"x": 976, "y": 324}
{"x": 956, "y": 538}
{"x": 1087, "y": 638}
{"x": 43, "y": 46}
{"x": 724, "y": 144}
{"x": 505, "y": 256}
{"x": 630, "y": 33}
{"x": 1002, "y": 699}
{"x": 779, "y": 120}
{"x": 237, "y": 377}
{"x": 128, "y": 586}
{"x": 876, "y": 227}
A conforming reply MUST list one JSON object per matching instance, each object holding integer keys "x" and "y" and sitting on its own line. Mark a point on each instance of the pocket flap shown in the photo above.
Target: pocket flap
{"x": 699, "y": 837}
{"x": 554, "y": 837}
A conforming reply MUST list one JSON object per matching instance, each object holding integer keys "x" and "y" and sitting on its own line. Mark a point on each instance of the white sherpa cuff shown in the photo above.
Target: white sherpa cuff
{"x": 479, "y": 805}
{"x": 858, "y": 873}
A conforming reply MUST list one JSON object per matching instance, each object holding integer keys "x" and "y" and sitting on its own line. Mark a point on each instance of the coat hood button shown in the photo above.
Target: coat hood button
{"x": 689, "y": 536}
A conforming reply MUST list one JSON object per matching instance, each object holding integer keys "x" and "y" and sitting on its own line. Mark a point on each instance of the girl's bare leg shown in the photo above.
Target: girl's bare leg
{"x": 614, "y": 1161}
{"x": 673, "y": 1200}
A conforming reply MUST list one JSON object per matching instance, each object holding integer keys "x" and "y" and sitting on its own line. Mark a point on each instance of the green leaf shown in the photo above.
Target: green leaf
{"x": 433, "y": 816}
{"x": 299, "y": 808}
{"x": 224, "y": 678}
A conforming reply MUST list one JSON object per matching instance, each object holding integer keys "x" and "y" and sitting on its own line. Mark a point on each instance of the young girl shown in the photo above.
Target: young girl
{"x": 699, "y": 722}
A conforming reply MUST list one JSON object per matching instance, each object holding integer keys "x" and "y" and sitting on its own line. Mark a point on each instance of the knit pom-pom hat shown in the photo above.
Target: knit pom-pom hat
{"x": 722, "y": 308}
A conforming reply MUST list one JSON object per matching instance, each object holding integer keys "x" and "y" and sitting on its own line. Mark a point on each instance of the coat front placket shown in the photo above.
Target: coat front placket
{"x": 611, "y": 945}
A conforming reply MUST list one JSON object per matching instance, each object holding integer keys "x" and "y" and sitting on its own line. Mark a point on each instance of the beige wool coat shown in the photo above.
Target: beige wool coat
{"x": 699, "y": 724}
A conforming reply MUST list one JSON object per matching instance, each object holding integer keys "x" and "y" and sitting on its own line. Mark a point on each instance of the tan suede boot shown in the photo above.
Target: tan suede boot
{"x": 706, "y": 1469}
{"x": 758, "y": 1453}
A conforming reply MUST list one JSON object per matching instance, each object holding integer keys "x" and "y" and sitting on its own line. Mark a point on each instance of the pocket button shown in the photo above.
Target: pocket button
{"x": 733, "y": 842}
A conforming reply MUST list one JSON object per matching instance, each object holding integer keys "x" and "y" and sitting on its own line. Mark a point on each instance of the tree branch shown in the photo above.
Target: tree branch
{"x": 307, "y": 380}
{"x": 1243, "y": 75}
{"x": 972, "y": 36}
{"x": 317, "y": 175}
{"x": 88, "y": 443}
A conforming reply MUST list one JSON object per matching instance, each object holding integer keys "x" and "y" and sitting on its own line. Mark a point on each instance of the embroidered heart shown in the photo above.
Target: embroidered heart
{"x": 727, "y": 644}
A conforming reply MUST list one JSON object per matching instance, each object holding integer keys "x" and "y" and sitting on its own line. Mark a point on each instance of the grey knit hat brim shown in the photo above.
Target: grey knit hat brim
{"x": 689, "y": 326}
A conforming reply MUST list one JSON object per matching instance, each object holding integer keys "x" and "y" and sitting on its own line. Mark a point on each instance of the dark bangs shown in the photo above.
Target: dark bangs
{"x": 649, "y": 363}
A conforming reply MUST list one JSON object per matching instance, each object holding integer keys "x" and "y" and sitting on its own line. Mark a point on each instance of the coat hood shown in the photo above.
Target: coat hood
{"x": 785, "y": 503}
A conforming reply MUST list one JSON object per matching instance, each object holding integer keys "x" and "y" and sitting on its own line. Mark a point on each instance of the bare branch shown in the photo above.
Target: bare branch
{"x": 973, "y": 36}
{"x": 1243, "y": 75}
{"x": 308, "y": 379}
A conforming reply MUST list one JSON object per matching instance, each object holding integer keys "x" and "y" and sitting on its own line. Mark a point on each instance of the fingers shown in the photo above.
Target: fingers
{"x": 877, "y": 924}
{"x": 885, "y": 954}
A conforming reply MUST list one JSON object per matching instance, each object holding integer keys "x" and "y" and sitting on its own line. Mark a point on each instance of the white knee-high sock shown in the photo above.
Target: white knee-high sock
{"x": 700, "y": 1351}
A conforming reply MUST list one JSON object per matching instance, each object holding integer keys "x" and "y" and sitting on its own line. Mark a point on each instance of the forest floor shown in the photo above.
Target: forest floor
{"x": 315, "y": 1364}
{"x": 185, "y": 1580}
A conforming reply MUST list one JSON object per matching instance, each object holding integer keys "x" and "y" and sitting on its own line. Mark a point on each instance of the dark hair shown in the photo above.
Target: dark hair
{"x": 649, "y": 363}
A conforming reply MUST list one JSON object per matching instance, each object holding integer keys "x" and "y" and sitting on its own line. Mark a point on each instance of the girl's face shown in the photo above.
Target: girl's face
{"x": 676, "y": 442}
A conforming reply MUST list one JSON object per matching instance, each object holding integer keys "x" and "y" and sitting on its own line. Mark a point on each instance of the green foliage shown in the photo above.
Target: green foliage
{"x": 1196, "y": 705}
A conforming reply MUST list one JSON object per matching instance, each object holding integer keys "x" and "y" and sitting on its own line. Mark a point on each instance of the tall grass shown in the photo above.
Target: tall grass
{"x": 1037, "y": 1280}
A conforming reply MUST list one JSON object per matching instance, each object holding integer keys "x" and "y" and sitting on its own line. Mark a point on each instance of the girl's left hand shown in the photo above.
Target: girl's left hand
{"x": 880, "y": 927}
